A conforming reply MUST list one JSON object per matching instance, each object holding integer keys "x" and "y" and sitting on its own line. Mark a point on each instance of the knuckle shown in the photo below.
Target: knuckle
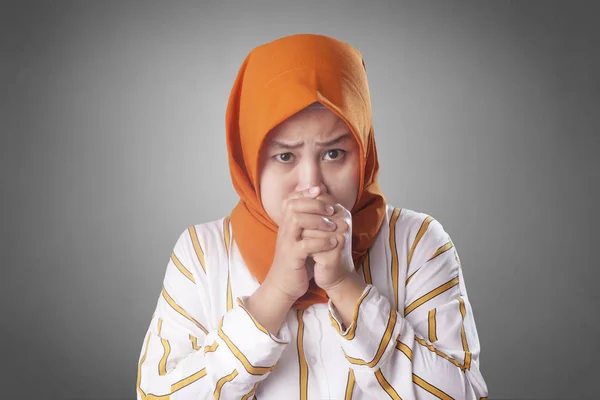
{"x": 295, "y": 219}
{"x": 291, "y": 204}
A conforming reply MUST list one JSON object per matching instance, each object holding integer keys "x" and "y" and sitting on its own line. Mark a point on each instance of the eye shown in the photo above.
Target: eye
{"x": 284, "y": 157}
{"x": 335, "y": 154}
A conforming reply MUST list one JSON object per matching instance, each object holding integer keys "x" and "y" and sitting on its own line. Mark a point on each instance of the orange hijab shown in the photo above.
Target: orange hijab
{"x": 276, "y": 80}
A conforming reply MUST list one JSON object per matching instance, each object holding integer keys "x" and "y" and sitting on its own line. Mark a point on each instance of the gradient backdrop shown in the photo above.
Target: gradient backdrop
{"x": 112, "y": 142}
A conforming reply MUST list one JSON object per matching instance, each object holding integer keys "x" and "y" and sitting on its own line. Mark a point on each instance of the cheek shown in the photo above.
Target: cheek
{"x": 344, "y": 184}
{"x": 273, "y": 191}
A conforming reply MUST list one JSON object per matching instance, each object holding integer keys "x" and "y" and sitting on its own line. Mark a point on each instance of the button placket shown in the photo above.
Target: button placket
{"x": 320, "y": 369}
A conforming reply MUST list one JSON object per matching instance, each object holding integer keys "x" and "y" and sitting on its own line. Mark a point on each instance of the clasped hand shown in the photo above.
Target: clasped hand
{"x": 314, "y": 232}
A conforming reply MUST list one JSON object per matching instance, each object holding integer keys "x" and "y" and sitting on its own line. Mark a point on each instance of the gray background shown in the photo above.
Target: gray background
{"x": 112, "y": 116}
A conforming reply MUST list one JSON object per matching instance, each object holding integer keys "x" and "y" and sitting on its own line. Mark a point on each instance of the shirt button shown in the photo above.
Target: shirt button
{"x": 312, "y": 360}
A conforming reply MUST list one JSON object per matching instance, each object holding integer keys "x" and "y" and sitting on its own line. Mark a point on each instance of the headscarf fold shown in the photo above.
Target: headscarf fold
{"x": 275, "y": 81}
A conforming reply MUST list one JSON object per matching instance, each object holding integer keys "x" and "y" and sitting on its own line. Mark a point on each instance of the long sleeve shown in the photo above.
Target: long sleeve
{"x": 425, "y": 348}
{"x": 184, "y": 355}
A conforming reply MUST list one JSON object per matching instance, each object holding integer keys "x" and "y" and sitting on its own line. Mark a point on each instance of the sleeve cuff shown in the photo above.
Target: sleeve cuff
{"x": 284, "y": 335}
{"x": 256, "y": 349}
{"x": 373, "y": 331}
{"x": 337, "y": 320}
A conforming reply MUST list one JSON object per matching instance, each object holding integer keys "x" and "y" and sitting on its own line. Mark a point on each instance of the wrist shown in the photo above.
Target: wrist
{"x": 268, "y": 307}
{"x": 346, "y": 293}
{"x": 273, "y": 294}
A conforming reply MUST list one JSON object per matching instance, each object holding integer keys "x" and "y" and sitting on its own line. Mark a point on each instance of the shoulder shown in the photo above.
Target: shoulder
{"x": 206, "y": 232}
{"x": 421, "y": 234}
{"x": 414, "y": 222}
{"x": 198, "y": 244}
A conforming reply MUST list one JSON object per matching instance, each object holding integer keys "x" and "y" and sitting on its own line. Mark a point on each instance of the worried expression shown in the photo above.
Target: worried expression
{"x": 313, "y": 147}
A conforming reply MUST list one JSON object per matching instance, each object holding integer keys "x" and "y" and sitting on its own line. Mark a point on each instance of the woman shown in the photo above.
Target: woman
{"x": 314, "y": 287}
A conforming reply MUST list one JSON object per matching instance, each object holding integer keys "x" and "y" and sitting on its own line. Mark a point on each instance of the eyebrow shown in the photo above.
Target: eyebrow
{"x": 282, "y": 145}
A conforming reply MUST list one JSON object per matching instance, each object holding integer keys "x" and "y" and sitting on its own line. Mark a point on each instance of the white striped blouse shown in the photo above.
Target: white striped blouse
{"x": 413, "y": 335}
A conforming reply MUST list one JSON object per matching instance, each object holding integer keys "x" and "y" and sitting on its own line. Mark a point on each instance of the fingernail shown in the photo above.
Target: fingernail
{"x": 313, "y": 190}
{"x": 329, "y": 209}
{"x": 333, "y": 241}
{"x": 330, "y": 223}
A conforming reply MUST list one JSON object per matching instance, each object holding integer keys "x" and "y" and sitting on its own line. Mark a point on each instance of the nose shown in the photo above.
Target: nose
{"x": 309, "y": 175}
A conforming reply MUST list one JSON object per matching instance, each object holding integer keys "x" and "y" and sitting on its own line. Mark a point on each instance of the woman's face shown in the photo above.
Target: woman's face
{"x": 314, "y": 147}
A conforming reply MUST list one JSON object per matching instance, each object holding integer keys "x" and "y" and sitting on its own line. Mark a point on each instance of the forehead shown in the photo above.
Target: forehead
{"x": 311, "y": 122}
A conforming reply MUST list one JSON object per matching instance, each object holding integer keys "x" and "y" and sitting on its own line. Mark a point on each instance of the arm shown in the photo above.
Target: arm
{"x": 431, "y": 348}
{"x": 184, "y": 357}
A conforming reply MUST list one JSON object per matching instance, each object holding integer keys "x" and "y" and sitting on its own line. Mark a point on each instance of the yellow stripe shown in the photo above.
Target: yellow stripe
{"x": 151, "y": 396}
{"x": 240, "y": 356}
{"x": 335, "y": 324}
{"x": 229, "y": 295}
{"x": 197, "y": 247}
{"x": 386, "y": 386}
{"x": 426, "y": 297}
{"x": 139, "y": 372}
{"x": 162, "y": 365}
{"x": 439, "y": 353}
{"x": 350, "y": 384}
{"x": 432, "y": 330}
{"x": 251, "y": 392}
{"x": 211, "y": 348}
{"x": 404, "y": 349}
{"x": 352, "y": 331}
{"x": 181, "y": 311}
{"x": 223, "y": 381}
{"x": 441, "y": 250}
{"x": 382, "y": 345}
{"x": 367, "y": 268}
{"x": 256, "y": 323}
{"x": 227, "y": 234}
{"x": 181, "y": 267}
{"x": 463, "y": 335}
{"x": 188, "y": 381}
{"x": 301, "y": 359}
{"x": 430, "y": 388}
{"x": 457, "y": 258}
{"x": 420, "y": 233}
{"x": 194, "y": 341}
{"x": 394, "y": 251}
{"x": 411, "y": 276}
{"x": 179, "y": 385}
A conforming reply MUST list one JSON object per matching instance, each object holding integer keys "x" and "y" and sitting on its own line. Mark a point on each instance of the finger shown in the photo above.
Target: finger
{"x": 308, "y": 193}
{"x": 326, "y": 198}
{"x": 311, "y": 192}
{"x": 316, "y": 245}
{"x": 341, "y": 210}
{"x": 341, "y": 227}
{"x": 315, "y": 233}
{"x": 311, "y": 206}
{"x": 294, "y": 224}
{"x": 339, "y": 239}
{"x": 312, "y": 222}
